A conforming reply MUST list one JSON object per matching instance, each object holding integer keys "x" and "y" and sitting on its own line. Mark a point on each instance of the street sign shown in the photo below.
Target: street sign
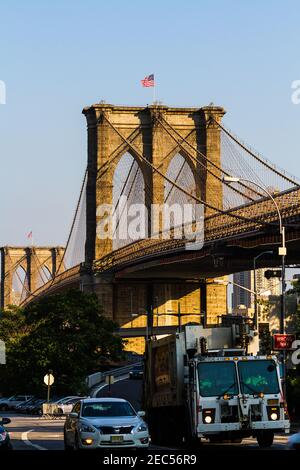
{"x": 283, "y": 342}
{"x": 49, "y": 379}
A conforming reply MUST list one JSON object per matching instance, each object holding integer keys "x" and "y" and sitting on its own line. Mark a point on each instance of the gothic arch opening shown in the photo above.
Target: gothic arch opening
{"x": 181, "y": 206}
{"x": 19, "y": 285}
{"x": 129, "y": 218}
{"x": 44, "y": 276}
{"x": 181, "y": 173}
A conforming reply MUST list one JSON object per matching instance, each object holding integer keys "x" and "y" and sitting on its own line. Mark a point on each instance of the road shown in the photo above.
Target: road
{"x": 35, "y": 433}
{"x": 38, "y": 433}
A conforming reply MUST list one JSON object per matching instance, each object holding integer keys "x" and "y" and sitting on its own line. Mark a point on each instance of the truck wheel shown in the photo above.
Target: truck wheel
{"x": 192, "y": 442}
{"x": 265, "y": 438}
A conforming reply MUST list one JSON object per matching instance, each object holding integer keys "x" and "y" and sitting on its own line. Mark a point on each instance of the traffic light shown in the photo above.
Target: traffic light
{"x": 269, "y": 273}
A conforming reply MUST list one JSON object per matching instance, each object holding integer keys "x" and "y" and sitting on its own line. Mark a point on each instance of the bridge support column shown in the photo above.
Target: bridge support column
{"x": 214, "y": 192}
{"x": 6, "y": 279}
{"x": 213, "y": 302}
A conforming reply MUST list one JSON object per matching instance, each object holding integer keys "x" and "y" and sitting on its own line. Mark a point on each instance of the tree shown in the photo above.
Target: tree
{"x": 65, "y": 333}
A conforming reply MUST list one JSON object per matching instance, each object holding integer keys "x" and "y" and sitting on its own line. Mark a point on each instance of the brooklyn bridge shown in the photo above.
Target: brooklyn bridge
{"x": 158, "y": 156}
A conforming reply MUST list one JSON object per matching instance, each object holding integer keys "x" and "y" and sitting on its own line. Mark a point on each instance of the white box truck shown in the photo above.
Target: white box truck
{"x": 210, "y": 383}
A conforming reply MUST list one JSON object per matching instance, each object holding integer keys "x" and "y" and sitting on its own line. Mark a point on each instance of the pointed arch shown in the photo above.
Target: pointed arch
{"x": 19, "y": 285}
{"x": 179, "y": 206}
{"x": 128, "y": 198}
{"x": 44, "y": 276}
{"x": 181, "y": 173}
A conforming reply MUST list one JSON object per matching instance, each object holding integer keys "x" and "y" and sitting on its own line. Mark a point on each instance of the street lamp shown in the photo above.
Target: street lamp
{"x": 282, "y": 249}
{"x": 255, "y": 291}
{"x": 225, "y": 283}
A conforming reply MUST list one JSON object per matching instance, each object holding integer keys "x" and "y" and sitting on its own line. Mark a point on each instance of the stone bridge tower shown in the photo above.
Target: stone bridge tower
{"x": 25, "y": 269}
{"x": 184, "y": 145}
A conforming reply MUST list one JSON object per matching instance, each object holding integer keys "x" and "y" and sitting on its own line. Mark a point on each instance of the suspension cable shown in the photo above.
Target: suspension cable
{"x": 197, "y": 199}
{"x": 263, "y": 162}
{"x": 208, "y": 160}
{"x": 72, "y": 227}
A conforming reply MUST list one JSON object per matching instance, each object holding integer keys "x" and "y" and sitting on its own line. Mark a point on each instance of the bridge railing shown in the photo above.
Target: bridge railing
{"x": 67, "y": 275}
{"x": 98, "y": 377}
{"x": 247, "y": 218}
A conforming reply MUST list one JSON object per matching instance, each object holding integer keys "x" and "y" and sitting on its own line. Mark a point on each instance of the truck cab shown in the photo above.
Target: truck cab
{"x": 238, "y": 397}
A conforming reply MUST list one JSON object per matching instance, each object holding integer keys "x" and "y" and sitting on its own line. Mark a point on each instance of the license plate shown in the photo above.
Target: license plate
{"x": 116, "y": 438}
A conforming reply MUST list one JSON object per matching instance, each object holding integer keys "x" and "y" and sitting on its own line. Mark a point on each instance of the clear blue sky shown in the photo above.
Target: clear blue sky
{"x": 58, "y": 56}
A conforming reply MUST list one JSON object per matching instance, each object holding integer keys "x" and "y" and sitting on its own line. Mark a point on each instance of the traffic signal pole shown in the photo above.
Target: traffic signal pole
{"x": 282, "y": 252}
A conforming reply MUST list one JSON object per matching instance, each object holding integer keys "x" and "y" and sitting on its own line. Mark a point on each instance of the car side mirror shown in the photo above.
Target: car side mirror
{"x": 5, "y": 421}
{"x": 141, "y": 413}
{"x": 74, "y": 415}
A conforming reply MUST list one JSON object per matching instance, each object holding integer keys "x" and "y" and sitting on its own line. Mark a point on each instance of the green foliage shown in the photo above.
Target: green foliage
{"x": 265, "y": 342}
{"x": 65, "y": 333}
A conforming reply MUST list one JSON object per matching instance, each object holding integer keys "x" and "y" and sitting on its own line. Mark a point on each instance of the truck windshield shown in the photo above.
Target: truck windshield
{"x": 217, "y": 378}
{"x": 258, "y": 376}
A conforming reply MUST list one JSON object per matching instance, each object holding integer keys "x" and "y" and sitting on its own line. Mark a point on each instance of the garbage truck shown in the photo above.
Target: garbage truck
{"x": 211, "y": 384}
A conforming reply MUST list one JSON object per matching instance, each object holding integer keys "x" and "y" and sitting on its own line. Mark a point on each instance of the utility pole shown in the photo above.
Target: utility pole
{"x": 179, "y": 317}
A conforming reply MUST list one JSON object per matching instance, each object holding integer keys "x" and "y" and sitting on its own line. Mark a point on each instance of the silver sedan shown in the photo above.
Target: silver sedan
{"x": 97, "y": 423}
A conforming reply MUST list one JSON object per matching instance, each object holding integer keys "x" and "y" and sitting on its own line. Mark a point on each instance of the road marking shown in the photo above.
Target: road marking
{"x": 24, "y": 437}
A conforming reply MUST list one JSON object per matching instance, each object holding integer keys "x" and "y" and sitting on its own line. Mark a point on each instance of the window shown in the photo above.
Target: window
{"x": 217, "y": 378}
{"x": 107, "y": 409}
{"x": 258, "y": 376}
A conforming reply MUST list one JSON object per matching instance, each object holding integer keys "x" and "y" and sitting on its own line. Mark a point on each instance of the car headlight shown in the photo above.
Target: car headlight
{"x": 142, "y": 427}
{"x": 86, "y": 428}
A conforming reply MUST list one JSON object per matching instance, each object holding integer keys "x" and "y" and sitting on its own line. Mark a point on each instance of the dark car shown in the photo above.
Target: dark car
{"x": 28, "y": 407}
{"x": 22, "y": 406}
{"x": 37, "y": 408}
{"x": 5, "y": 443}
{"x": 137, "y": 372}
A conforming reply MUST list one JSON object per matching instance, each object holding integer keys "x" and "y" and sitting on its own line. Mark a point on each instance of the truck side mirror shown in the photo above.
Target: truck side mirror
{"x": 191, "y": 353}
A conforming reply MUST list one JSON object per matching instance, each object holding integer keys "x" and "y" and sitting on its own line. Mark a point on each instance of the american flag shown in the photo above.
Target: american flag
{"x": 148, "y": 81}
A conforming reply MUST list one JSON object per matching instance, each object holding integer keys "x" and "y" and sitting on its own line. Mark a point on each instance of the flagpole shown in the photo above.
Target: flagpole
{"x": 154, "y": 93}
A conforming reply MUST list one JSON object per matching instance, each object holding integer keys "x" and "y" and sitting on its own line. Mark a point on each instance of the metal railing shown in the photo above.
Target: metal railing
{"x": 98, "y": 377}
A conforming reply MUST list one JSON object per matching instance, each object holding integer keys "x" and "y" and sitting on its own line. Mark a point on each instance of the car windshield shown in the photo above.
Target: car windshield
{"x": 217, "y": 378}
{"x": 258, "y": 376}
{"x": 107, "y": 409}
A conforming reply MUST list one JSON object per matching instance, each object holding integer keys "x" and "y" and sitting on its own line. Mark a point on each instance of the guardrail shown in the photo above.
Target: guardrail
{"x": 98, "y": 377}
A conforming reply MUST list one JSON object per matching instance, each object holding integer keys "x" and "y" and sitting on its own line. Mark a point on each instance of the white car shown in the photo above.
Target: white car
{"x": 68, "y": 405}
{"x": 97, "y": 423}
{"x": 10, "y": 403}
